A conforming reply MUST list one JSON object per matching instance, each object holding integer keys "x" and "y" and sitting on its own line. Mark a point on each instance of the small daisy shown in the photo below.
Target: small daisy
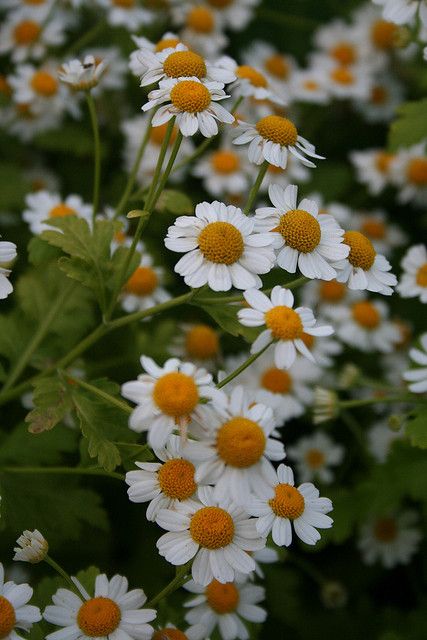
{"x": 272, "y": 138}
{"x": 217, "y": 534}
{"x": 284, "y": 324}
{"x": 44, "y": 205}
{"x": 295, "y": 172}
{"x": 314, "y": 455}
{"x": 143, "y": 289}
{"x": 113, "y": 612}
{"x": 278, "y": 67}
{"x": 384, "y": 235}
{"x": 381, "y": 36}
{"x": 309, "y": 85}
{"x": 221, "y": 248}
{"x": 413, "y": 282}
{"x": 409, "y": 173}
{"x": 380, "y": 439}
{"x": 15, "y": 613}
{"x": 223, "y": 606}
{"x": 341, "y": 43}
{"x": 284, "y": 503}
{"x": 327, "y": 296}
{"x": 169, "y": 40}
{"x": 373, "y": 168}
{"x": 418, "y": 376}
{"x": 202, "y": 29}
{"x": 403, "y": 11}
{"x": 385, "y": 96}
{"x": 23, "y": 122}
{"x": 302, "y": 237}
{"x": 249, "y": 83}
{"x": 233, "y": 14}
{"x": 345, "y": 82}
{"x": 223, "y": 172}
{"x": 82, "y": 75}
{"x": 365, "y": 325}
{"x": 116, "y": 68}
{"x": 169, "y": 397}
{"x": 32, "y": 547}
{"x": 391, "y": 540}
{"x": 26, "y": 36}
{"x": 198, "y": 343}
{"x": 7, "y": 254}
{"x": 127, "y": 13}
{"x": 169, "y": 633}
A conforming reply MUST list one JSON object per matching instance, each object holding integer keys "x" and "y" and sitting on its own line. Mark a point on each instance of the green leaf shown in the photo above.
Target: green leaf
{"x": 416, "y": 427}
{"x": 13, "y": 186}
{"x": 40, "y": 252}
{"x": 51, "y": 401}
{"x": 24, "y": 448}
{"x": 87, "y": 578}
{"x": 411, "y": 125}
{"x": 225, "y": 315}
{"x": 175, "y": 202}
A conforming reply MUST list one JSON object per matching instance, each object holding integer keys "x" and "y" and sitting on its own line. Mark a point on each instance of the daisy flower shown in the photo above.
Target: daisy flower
{"x": 169, "y": 397}
{"x": 418, "y": 376}
{"x": 192, "y": 102}
{"x": 272, "y": 138}
{"x": 277, "y": 67}
{"x": 326, "y": 296}
{"x": 198, "y": 343}
{"x": 240, "y": 448}
{"x": 409, "y": 173}
{"x": 249, "y": 83}
{"x": 365, "y": 325}
{"x": 82, "y": 75}
{"x": 224, "y": 172}
{"x": 413, "y": 282}
{"x": 15, "y": 613}
{"x": 373, "y": 168}
{"x": 380, "y": 439}
{"x": 294, "y": 172}
{"x": 341, "y": 43}
{"x": 314, "y": 456}
{"x": 345, "y": 82}
{"x": 22, "y": 121}
{"x": 32, "y": 547}
{"x": 127, "y": 13}
{"x": 201, "y": 28}
{"x": 223, "y": 606}
{"x": 116, "y": 68}
{"x": 385, "y": 96}
{"x": 301, "y": 236}
{"x": 391, "y": 540}
{"x": 285, "y": 325}
{"x": 44, "y": 205}
{"x": 384, "y": 235}
{"x": 217, "y": 534}
{"x": 169, "y": 40}
{"x": 170, "y": 632}
{"x": 309, "y": 85}
{"x": 221, "y": 248}
{"x": 284, "y": 504}
{"x": 232, "y": 14}
{"x": 7, "y": 254}
{"x": 143, "y": 289}
{"x": 383, "y": 37}
{"x": 24, "y": 36}
{"x": 403, "y": 11}
{"x": 113, "y": 612}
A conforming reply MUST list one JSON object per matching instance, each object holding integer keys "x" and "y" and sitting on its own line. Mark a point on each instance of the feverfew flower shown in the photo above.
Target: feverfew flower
{"x": 384, "y": 235}
{"x": 143, "y": 289}
{"x": 418, "y": 376}
{"x": 221, "y": 248}
{"x": 198, "y": 343}
{"x": 391, "y": 540}
{"x": 309, "y": 85}
{"x": 201, "y": 30}
{"x": 345, "y": 82}
{"x": 284, "y": 504}
{"x": 373, "y": 168}
{"x": 7, "y": 254}
{"x": 250, "y": 83}
{"x": 403, "y": 11}
{"x": 413, "y": 282}
{"x": 113, "y": 612}
{"x": 385, "y": 96}
{"x": 233, "y": 14}
{"x": 224, "y": 172}
{"x": 314, "y": 455}
{"x": 128, "y": 14}
{"x": 365, "y": 325}
{"x": 44, "y": 205}
{"x": 15, "y": 613}
{"x": 82, "y": 76}
{"x": 380, "y": 439}
{"x": 169, "y": 40}
{"x": 277, "y": 67}
{"x": 409, "y": 173}
{"x": 26, "y": 36}
{"x": 284, "y": 324}
{"x": 32, "y": 547}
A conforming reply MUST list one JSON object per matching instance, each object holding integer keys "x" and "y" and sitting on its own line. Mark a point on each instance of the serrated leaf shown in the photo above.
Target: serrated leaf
{"x": 175, "y": 202}
{"x": 416, "y": 427}
{"x": 40, "y": 252}
{"x": 411, "y": 125}
{"x": 52, "y": 402}
{"x": 225, "y": 315}
{"x": 13, "y": 185}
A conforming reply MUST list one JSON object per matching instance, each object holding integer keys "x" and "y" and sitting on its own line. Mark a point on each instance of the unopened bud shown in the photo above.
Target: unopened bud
{"x": 333, "y": 595}
{"x": 32, "y": 547}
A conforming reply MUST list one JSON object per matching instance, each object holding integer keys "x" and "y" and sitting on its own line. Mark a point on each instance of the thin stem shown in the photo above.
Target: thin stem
{"x": 350, "y": 404}
{"x": 168, "y": 169}
{"x": 242, "y": 367}
{"x": 97, "y": 152}
{"x": 66, "y": 471}
{"x": 115, "y": 402}
{"x": 293, "y": 284}
{"x": 50, "y": 561}
{"x": 158, "y": 308}
{"x": 255, "y": 188}
{"x": 182, "y": 576}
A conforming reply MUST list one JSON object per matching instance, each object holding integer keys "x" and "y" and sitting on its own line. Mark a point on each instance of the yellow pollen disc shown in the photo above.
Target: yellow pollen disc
{"x": 212, "y": 528}
{"x": 26, "y": 32}
{"x": 99, "y": 617}
{"x": 221, "y": 242}
{"x": 61, "y": 210}
{"x": 201, "y": 20}
{"x": 385, "y": 530}
{"x": 176, "y": 479}
{"x": 384, "y": 34}
{"x": 169, "y": 634}
{"x": 176, "y": 394}
{"x": 277, "y": 129}
{"x": 284, "y": 323}
{"x": 314, "y": 458}
{"x": 142, "y": 282}
{"x": 190, "y": 96}
{"x": 362, "y": 253}
{"x": 202, "y": 342}
{"x": 157, "y": 134}
{"x": 184, "y": 63}
{"x": 379, "y": 95}
{"x": 277, "y": 66}
{"x": 310, "y": 85}
{"x": 222, "y": 598}
{"x": 344, "y": 53}
{"x": 225, "y": 161}
{"x": 383, "y": 160}
{"x": 417, "y": 171}
{"x": 240, "y": 442}
{"x": 167, "y": 43}
{"x": 7, "y": 617}
{"x": 300, "y": 230}
{"x": 308, "y": 340}
{"x": 44, "y": 84}
{"x": 220, "y": 4}
{"x": 287, "y": 502}
{"x": 422, "y": 276}
{"x": 365, "y": 314}
{"x": 342, "y": 75}
{"x": 276, "y": 380}
{"x": 249, "y": 73}
{"x": 124, "y": 4}
{"x": 373, "y": 228}
{"x": 332, "y": 291}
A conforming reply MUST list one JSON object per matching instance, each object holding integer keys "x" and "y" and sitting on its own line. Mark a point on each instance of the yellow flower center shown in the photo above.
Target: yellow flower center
{"x": 225, "y": 162}
{"x": 384, "y": 34}
{"x": 417, "y": 171}
{"x": 7, "y": 617}
{"x": 220, "y": 4}
{"x": 383, "y": 160}
{"x": 422, "y": 276}
{"x": 99, "y": 617}
{"x": 310, "y": 85}
{"x": 300, "y": 230}
{"x": 314, "y": 458}
{"x": 276, "y": 380}
{"x": 249, "y": 73}
{"x": 176, "y": 479}
{"x": 287, "y": 502}
{"x": 221, "y": 242}
{"x": 124, "y": 4}
{"x": 379, "y": 94}
{"x": 157, "y": 134}
{"x": 284, "y": 323}
{"x": 34, "y": 2}
{"x": 190, "y": 96}
{"x": 240, "y": 442}
{"x": 277, "y": 66}
{"x": 365, "y": 314}
{"x": 169, "y": 634}
{"x": 362, "y": 253}
{"x": 202, "y": 342}
{"x": 385, "y": 530}
{"x": 184, "y": 63}
{"x": 167, "y": 43}
{"x": 342, "y": 75}
{"x": 344, "y": 53}
{"x": 44, "y": 83}
{"x": 142, "y": 282}
{"x": 26, "y": 32}
{"x": 222, "y": 598}
{"x": 277, "y": 129}
{"x": 201, "y": 20}
{"x": 212, "y": 528}
{"x": 332, "y": 291}
{"x": 373, "y": 228}
{"x": 176, "y": 394}
{"x": 61, "y": 210}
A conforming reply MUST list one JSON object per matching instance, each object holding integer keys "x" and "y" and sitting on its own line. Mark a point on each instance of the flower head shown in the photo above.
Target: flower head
{"x": 391, "y": 539}
{"x": 15, "y": 613}
{"x": 82, "y": 76}
{"x": 32, "y": 547}
{"x": 418, "y": 376}
{"x": 413, "y": 282}
{"x": 7, "y": 254}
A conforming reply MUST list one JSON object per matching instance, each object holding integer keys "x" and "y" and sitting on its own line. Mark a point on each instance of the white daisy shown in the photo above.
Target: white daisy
{"x": 380, "y": 439}
{"x": 221, "y": 248}
{"x": 403, "y": 11}
{"x": 82, "y": 75}
{"x": 143, "y": 289}
{"x": 385, "y": 96}
{"x": 32, "y": 547}
{"x": 373, "y": 168}
{"x": 391, "y": 540}
{"x": 201, "y": 28}
{"x": 384, "y": 235}
{"x": 231, "y": 14}
{"x": 284, "y": 504}
{"x": 302, "y": 237}
{"x": 15, "y": 613}
{"x": 285, "y": 325}
{"x": 365, "y": 325}
{"x": 326, "y": 296}
{"x": 224, "y": 172}
{"x": 309, "y": 85}
{"x": 7, "y": 254}
{"x": 44, "y": 205}
{"x": 114, "y": 77}
{"x": 113, "y": 612}
{"x": 217, "y": 534}
{"x": 413, "y": 282}
{"x": 167, "y": 41}
{"x": 341, "y": 43}
{"x": 249, "y": 83}
{"x": 23, "y": 35}
{"x": 295, "y": 172}
{"x": 21, "y": 121}
{"x": 409, "y": 174}
{"x": 345, "y": 82}
{"x": 127, "y": 13}
{"x": 382, "y": 37}
{"x": 314, "y": 455}
{"x": 418, "y": 376}
{"x": 198, "y": 343}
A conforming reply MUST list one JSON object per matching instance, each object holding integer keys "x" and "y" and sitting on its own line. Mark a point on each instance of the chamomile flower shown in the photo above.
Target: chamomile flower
{"x": 42, "y": 206}
{"x": 249, "y": 83}
{"x": 295, "y": 172}
{"x": 365, "y": 325}
{"x": 113, "y": 612}
{"x": 169, "y": 632}
{"x": 384, "y": 235}
{"x": 409, "y": 174}
{"x": 143, "y": 289}
{"x": 391, "y": 540}
{"x": 373, "y": 168}
{"x": 221, "y": 248}
{"x": 345, "y": 82}
{"x": 223, "y": 606}
{"x": 22, "y": 121}
{"x": 169, "y": 40}
{"x": 32, "y": 547}
{"x": 201, "y": 28}
{"x": 114, "y": 76}
{"x": 386, "y": 94}
{"x": 217, "y": 534}
{"x": 418, "y": 376}
{"x": 82, "y": 75}
{"x": 380, "y": 439}
{"x": 276, "y": 66}
{"x": 272, "y": 138}
{"x": 309, "y": 85}
{"x": 28, "y": 36}
{"x": 315, "y": 455}
{"x": 224, "y": 172}
{"x": 284, "y": 506}
{"x": 7, "y": 254}
{"x": 341, "y": 44}
{"x": 232, "y": 14}
{"x": 285, "y": 325}
{"x": 382, "y": 37}
{"x": 169, "y": 397}
{"x": 127, "y": 13}
{"x": 198, "y": 343}
{"x": 15, "y": 613}
{"x": 413, "y": 282}
{"x": 302, "y": 237}
{"x": 327, "y": 296}
{"x": 403, "y": 11}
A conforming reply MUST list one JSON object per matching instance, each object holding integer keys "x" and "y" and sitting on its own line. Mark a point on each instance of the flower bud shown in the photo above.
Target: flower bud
{"x": 32, "y": 547}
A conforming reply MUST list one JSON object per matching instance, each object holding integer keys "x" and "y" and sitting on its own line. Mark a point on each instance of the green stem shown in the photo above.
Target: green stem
{"x": 168, "y": 169}
{"x": 158, "y": 308}
{"x": 66, "y": 471}
{"x": 254, "y": 191}
{"x": 50, "y": 561}
{"x": 350, "y": 404}
{"x": 357, "y": 432}
{"x": 182, "y": 576}
{"x": 115, "y": 402}
{"x": 242, "y": 367}
{"x": 293, "y": 284}
{"x": 97, "y": 152}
